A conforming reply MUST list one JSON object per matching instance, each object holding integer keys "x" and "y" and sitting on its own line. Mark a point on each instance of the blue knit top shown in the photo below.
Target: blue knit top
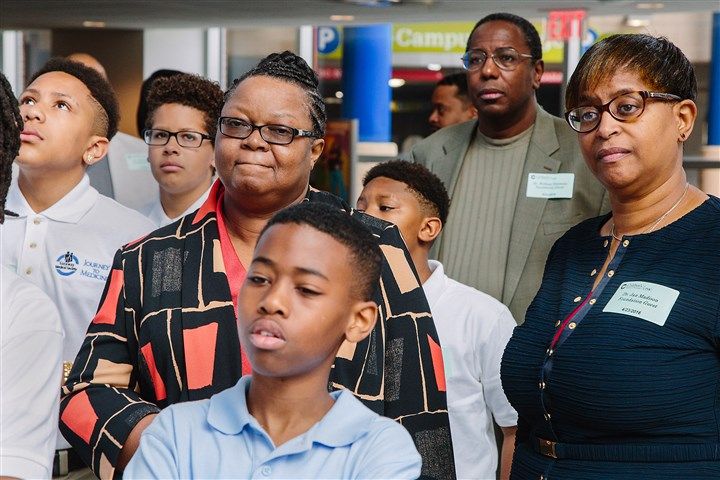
{"x": 627, "y": 392}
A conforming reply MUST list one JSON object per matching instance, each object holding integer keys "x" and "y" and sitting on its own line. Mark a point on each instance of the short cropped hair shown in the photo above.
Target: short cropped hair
{"x": 11, "y": 124}
{"x": 532, "y": 37}
{"x": 191, "y": 91}
{"x": 425, "y": 185}
{"x": 293, "y": 69}
{"x": 100, "y": 90}
{"x": 656, "y": 60}
{"x": 365, "y": 253}
{"x": 458, "y": 80}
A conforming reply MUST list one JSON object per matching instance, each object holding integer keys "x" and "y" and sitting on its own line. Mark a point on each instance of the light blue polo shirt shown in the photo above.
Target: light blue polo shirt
{"x": 218, "y": 438}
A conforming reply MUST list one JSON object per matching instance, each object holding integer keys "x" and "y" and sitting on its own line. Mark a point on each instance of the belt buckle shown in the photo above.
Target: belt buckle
{"x": 547, "y": 448}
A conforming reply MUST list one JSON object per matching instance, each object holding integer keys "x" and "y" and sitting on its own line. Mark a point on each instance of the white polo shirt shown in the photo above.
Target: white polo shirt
{"x": 154, "y": 210}
{"x": 473, "y": 328}
{"x": 30, "y": 372}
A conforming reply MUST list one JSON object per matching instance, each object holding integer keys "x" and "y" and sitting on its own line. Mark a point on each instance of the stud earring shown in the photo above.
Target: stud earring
{"x": 90, "y": 158}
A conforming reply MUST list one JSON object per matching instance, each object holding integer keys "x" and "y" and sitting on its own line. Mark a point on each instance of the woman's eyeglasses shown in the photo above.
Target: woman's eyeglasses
{"x": 275, "y": 134}
{"x": 624, "y": 108}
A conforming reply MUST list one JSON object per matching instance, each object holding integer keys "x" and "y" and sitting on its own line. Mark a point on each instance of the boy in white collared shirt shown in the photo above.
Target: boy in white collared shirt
{"x": 473, "y": 327}
{"x": 66, "y": 233}
{"x": 307, "y": 291}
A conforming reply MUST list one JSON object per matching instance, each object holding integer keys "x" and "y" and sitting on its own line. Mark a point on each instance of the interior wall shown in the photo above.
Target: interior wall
{"x": 120, "y": 52}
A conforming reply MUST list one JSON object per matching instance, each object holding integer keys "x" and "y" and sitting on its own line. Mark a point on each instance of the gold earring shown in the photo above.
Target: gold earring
{"x": 90, "y": 158}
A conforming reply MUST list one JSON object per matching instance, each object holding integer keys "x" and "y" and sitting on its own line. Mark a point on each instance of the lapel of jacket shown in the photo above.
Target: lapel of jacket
{"x": 529, "y": 211}
{"x": 454, "y": 149}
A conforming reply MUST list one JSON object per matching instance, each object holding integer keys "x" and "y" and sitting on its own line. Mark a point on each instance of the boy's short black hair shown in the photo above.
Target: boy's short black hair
{"x": 365, "y": 253}
{"x": 100, "y": 90}
{"x": 458, "y": 80}
{"x": 191, "y": 91}
{"x": 427, "y": 187}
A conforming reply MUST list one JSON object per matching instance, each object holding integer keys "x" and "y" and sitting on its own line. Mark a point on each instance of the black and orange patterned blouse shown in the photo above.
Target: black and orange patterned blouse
{"x": 165, "y": 332}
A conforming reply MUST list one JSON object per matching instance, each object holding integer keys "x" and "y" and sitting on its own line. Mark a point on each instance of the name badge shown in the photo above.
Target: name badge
{"x": 644, "y": 300}
{"x": 550, "y": 185}
{"x": 137, "y": 161}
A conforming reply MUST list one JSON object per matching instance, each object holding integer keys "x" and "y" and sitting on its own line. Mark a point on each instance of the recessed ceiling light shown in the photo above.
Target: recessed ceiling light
{"x": 342, "y": 18}
{"x": 396, "y": 82}
{"x": 650, "y": 6}
{"x": 93, "y": 24}
{"x": 435, "y": 67}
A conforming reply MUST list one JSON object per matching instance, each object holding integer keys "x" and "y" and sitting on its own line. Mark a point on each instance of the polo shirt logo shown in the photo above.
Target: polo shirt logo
{"x": 67, "y": 264}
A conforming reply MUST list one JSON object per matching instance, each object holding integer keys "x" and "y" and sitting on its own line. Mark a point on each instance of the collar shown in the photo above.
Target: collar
{"x": 69, "y": 209}
{"x": 228, "y": 413}
{"x": 435, "y": 285}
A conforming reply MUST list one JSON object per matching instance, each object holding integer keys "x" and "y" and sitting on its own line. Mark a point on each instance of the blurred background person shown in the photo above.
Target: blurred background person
{"x": 183, "y": 111}
{"x": 450, "y": 102}
{"x": 516, "y": 177}
{"x": 32, "y": 342}
{"x": 121, "y": 175}
{"x": 614, "y": 373}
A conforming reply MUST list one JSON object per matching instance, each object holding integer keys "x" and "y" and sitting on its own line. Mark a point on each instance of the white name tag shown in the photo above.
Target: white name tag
{"x": 645, "y": 300}
{"x": 550, "y": 185}
{"x": 137, "y": 161}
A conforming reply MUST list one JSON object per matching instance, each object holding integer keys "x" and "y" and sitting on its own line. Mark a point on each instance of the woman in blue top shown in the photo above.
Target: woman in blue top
{"x": 616, "y": 371}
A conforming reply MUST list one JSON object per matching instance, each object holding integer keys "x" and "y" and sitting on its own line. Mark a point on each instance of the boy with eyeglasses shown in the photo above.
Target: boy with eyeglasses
{"x": 307, "y": 291}
{"x": 66, "y": 233}
{"x": 182, "y": 119}
{"x": 473, "y": 327}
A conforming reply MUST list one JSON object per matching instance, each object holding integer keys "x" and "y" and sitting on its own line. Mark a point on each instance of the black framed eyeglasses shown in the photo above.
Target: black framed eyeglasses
{"x": 624, "y": 108}
{"x": 506, "y": 58}
{"x": 275, "y": 134}
{"x": 185, "y": 138}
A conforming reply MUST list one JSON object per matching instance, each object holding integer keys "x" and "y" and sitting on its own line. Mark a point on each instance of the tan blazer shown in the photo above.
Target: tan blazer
{"x": 538, "y": 222}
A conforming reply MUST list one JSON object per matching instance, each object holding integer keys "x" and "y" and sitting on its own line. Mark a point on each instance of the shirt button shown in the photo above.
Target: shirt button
{"x": 572, "y": 325}
{"x": 28, "y": 271}
{"x": 33, "y": 244}
{"x": 557, "y": 324}
{"x": 626, "y": 243}
{"x": 592, "y": 274}
{"x": 605, "y": 243}
{"x": 611, "y": 273}
{"x": 592, "y": 301}
{"x": 547, "y": 417}
{"x": 37, "y": 220}
{"x": 549, "y": 352}
{"x": 266, "y": 470}
{"x": 577, "y": 299}
{"x": 541, "y": 385}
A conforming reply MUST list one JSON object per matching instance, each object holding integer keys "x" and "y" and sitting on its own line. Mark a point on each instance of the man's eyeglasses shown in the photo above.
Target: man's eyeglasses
{"x": 506, "y": 58}
{"x": 624, "y": 108}
{"x": 275, "y": 134}
{"x": 157, "y": 137}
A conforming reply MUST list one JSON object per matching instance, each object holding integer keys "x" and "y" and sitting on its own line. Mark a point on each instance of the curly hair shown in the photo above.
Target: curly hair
{"x": 11, "y": 125}
{"x": 293, "y": 69}
{"x": 656, "y": 60}
{"x": 106, "y": 122}
{"x": 425, "y": 185}
{"x": 191, "y": 91}
{"x": 365, "y": 253}
{"x": 532, "y": 37}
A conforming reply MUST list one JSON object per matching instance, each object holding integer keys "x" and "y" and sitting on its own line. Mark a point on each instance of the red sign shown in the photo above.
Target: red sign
{"x": 560, "y": 24}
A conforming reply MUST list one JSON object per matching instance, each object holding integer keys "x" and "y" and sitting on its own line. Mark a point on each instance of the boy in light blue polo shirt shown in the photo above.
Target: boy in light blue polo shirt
{"x": 307, "y": 290}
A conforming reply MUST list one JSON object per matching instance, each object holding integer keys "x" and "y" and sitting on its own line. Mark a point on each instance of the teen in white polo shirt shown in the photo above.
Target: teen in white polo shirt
{"x": 182, "y": 118}
{"x": 66, "y": 233}
{"x": 31, "y": 341}
{"x": 473, "y": 327}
